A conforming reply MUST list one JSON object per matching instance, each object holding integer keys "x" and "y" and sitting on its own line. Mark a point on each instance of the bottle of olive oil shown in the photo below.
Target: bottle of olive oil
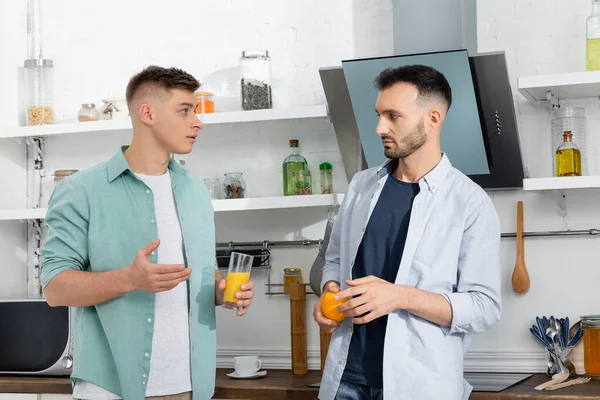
{"x": 293, "y": 162}
{"x": 568, "y": 157}
{"x": 592, "y": 46}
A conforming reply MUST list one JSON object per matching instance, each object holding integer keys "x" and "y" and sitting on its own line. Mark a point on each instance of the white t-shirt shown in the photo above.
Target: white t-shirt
{"x": 170, "y": 360}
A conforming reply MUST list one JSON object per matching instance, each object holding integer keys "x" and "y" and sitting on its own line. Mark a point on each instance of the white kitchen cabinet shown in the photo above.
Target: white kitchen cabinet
{"x": 57, "y": 397}
{"x": 14, "y": 396}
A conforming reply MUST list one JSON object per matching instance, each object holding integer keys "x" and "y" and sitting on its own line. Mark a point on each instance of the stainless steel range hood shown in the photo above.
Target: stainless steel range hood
{"x": 493, "y": 108}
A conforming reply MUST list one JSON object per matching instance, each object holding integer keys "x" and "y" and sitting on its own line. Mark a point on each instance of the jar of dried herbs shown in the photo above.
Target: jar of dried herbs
{"x": 256, "y": 80}
{"x": 234, "y": 185}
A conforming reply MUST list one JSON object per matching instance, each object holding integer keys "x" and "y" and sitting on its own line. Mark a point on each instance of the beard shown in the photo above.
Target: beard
{"x": 408, "y": 144}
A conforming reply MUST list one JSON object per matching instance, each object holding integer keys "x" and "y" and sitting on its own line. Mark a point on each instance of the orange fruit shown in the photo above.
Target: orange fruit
{"x": 328, "y": 307}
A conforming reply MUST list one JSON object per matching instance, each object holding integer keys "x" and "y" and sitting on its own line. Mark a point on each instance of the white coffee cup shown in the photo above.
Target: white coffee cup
{"x": 246, "y": 365}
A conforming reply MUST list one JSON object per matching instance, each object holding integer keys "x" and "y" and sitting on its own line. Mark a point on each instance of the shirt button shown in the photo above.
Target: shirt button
{"x": 349, "y": 329}
{"x": 143, "y": 383}
{"x": 143, "y": 375}
{"x": 147, "y": 354}
{"x": 152, "y": 221}
{"x": 149, "y": 319}
{"x": 147, "y": 192}
{"x": 363, "y": 228}
{"x": 153, "y": 253}
{"x": 341, "y": 362}
{"x": 352, "y": 262}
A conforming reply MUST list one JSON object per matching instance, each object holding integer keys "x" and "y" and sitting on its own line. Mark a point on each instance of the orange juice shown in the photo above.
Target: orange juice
{"x": 235, "y": 280}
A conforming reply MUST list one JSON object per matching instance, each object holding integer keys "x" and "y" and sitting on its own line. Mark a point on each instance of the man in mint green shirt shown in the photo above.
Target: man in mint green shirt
{"x": 131, "y": 245}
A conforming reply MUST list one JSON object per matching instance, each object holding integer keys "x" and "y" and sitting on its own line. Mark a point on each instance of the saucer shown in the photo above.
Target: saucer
{"x": 258, "y": 374}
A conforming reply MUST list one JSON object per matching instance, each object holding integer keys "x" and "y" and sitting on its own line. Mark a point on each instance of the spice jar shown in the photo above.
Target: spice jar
{"x": 234, "y": 185}
{"x": 591, "y": 344}
{"x": 61, "y": 174}
{"x": 326, "y": 178}
{"x": 88, "y": 112}
{"x": 214, "y": 187}
{"x": 256, "y": 80}
{"x": 290, "y": 277}
{"x": 205, "y": 103}
{"x": 39, "y": 87}
{"x": 301, "y": 182}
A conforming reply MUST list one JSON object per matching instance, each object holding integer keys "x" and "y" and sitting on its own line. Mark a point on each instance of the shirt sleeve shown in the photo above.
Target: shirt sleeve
{"x": 66, "y": 246}
{"x": 476, "y": 303}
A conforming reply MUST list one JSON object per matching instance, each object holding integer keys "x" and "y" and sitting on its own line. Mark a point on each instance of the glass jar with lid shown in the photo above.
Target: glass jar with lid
{"x": 39, "y": 91}
{"x": 290, "y": 277}
{"x": 301, "y": 182}
{"x": 256, "y": 80}
{"x": 205, "y": 103}
{"x": 88, "y": 112}
{"x": 214, "y": 187}
{"x": 591, "y": 344}
{"x": 61, "y": 174}
{"x": 234, "y": 185}
{"x": 325, "y": 170}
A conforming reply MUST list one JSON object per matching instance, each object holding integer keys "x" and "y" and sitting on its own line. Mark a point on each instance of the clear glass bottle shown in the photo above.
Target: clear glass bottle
{"x": 568, "y": 157}
{"x": 293, "y": 162}
{"x": 88, "y": 112}
{"x": 256, "y": 80}
{"x": 325, "y": 170}
{"x": 234, "y": 185}
{"x": 39, "y": 95}
{"x": 592, "y": 36}
{"x": 567, "y": 118}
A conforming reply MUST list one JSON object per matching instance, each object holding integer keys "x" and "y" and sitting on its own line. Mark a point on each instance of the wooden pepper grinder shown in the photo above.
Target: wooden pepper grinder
{"x": 325, "y": 339}
{"x": 298, "y": 329}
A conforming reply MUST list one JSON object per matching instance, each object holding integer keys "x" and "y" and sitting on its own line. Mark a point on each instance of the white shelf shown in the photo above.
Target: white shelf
{"x": 257, "y": 203}
{"x": 266, "y": 203}
{"x": 569, "y": 182}
{"x": 563, "y": 86}
{"x": 300, "y": 112}
{"x": 22, "y": 214}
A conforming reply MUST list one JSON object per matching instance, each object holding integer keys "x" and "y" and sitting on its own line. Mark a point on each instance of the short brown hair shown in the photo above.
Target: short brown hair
{"x": 154, "y": 77}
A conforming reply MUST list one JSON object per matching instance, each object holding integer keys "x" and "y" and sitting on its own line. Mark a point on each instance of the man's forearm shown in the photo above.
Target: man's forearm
{"x": 432, "y": 307}
{"x": 84, "y": 289}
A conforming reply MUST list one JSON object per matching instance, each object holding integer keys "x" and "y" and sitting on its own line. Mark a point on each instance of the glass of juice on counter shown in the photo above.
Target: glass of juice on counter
{"x": 237, "y": 274}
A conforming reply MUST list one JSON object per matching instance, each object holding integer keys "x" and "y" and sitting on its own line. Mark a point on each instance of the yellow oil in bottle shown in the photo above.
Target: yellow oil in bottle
{"x": 592, "y": 54}
{"x": 568, "y": 157}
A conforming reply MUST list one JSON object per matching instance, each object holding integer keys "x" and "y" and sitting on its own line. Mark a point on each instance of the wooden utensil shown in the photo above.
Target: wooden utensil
{"x": 572, "y": 382}
{"x": 298, "y": 329}
{"x": 556, "y": 379}
{"x": 325, "y": 338}
{"x": 520, "y": 276}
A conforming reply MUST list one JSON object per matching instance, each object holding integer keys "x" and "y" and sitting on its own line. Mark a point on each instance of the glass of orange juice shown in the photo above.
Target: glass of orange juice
{"x": 238, "y": 273}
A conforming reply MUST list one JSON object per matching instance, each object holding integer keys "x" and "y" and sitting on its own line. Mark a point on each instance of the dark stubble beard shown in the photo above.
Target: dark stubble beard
{"x": 407, "y": 145}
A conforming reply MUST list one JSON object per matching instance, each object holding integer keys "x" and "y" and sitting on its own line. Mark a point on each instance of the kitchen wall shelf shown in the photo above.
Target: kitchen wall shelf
{"x": 561, "y": 86}
{"x": 22, "y": 214}
{"x": 561, "y": 183}
{"x": 298, "y": 112}
{"x": 256, "y": 203}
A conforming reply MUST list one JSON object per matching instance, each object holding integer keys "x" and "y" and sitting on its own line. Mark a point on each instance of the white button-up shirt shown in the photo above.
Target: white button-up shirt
{"x": 452, "y": 248}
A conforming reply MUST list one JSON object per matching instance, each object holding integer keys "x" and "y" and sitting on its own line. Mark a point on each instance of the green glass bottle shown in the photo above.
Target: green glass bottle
{"x": 293, "y": 162}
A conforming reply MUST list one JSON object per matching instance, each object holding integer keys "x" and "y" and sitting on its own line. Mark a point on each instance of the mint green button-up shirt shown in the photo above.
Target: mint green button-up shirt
{"x": 97, "y": 220}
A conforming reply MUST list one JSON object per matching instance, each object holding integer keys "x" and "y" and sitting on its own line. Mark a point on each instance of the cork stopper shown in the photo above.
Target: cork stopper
{"x": 567, "y": 136}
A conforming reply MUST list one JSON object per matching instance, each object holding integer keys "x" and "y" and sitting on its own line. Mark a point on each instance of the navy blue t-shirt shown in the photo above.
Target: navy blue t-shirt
{"x": 379, "y": 254}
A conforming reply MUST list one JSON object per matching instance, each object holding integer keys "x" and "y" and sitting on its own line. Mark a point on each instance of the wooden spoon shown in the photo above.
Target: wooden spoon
{"x": 578, "y": 381}
{"x": 520, "y": 276}
{"x": 556, "y": 379}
